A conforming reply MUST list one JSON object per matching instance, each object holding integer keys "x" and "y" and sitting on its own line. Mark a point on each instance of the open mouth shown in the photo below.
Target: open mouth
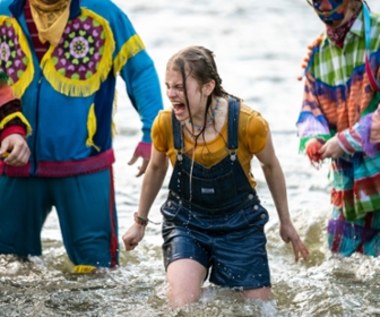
{"x": 179, "y": 109}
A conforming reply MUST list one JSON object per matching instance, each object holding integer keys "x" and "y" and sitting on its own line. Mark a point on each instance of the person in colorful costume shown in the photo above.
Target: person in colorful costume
{"x": 62, "y": 58}
{"x": 213, "y": 218}
{"x": 14, "y": 127}
{"x": 338, "y": 121}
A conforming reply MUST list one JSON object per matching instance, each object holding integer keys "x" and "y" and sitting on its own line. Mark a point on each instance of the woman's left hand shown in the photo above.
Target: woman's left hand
{"x": 289, "y": 234}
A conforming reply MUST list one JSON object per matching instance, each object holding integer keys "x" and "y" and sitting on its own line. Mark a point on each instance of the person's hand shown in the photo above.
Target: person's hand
{"x": 133, "y": 236}
{"x": 289, "y": 234}
{"x": 309, "y": 50}
{"x": 14, "y": 150}
{"x": 331, "y": 149}
{"x": 142, "y": 150}
{"x": 313, "y": 147}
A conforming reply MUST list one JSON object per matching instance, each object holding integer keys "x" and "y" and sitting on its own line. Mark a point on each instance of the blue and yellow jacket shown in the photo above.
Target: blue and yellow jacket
{"x": 68, "y": 96}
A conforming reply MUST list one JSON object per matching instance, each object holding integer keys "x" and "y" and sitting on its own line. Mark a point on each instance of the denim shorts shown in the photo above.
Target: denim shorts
{"x": 231, "y": 246}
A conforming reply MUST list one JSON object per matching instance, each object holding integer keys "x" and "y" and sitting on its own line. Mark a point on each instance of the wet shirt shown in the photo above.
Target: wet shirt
{"x": 253, "y": 130}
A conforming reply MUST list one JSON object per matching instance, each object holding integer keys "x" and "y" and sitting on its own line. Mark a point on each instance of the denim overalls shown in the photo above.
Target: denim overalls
{"x": 219, "y": 221}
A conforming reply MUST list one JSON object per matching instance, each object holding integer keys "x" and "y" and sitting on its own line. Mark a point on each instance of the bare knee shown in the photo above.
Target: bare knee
{"x": 179, "y": 297}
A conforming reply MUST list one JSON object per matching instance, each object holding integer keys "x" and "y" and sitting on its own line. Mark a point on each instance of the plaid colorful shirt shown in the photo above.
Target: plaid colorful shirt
{"x": 337, "y": 93}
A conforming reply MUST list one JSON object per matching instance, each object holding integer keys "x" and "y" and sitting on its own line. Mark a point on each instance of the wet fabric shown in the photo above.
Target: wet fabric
{"x": 361, "y": 236}
{"x": 213, "y": 215}
{"x": 338, "y": 94}
{"x": 86, "y": 212}
{"x": 252, "y": 138}
{"x": 231, "y": 245}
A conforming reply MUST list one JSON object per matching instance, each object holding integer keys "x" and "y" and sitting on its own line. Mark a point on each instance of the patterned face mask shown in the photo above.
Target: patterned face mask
{"x": 338, "y": 34}
{"x": 335, "y": 14}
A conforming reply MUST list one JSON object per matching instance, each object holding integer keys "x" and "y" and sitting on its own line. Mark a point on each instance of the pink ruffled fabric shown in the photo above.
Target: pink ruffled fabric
{"x": 375, "y": 127}
{"x": 369, "y": 147}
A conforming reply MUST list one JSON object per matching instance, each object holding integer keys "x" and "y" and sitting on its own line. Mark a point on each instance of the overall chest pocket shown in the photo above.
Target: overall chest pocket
{"x": 209, "y": 192}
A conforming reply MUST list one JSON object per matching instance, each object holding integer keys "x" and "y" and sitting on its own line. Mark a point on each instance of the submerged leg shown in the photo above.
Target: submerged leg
{"x": 185, "y": 278}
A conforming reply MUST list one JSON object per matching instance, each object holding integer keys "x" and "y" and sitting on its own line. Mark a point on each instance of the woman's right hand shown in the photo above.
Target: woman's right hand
{"x": 133, "y": 236}
{"x": 289, "y": 234}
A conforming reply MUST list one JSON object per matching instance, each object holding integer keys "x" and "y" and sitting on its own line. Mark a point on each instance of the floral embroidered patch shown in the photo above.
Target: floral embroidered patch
{"x": 83, "y": 56}
{"x": 80, "y": 50}
{"x": 15, "y": 56}
{"x": 76, "y": 66}
{"x": 12, "y": 58}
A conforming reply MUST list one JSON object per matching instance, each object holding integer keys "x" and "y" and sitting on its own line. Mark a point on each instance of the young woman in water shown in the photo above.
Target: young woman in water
{"x": 213, "y": 219}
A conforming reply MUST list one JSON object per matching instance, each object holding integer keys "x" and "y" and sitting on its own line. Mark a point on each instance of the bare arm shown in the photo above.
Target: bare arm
{"x": 152, "y": 182}
{"x": 276, "y": 183}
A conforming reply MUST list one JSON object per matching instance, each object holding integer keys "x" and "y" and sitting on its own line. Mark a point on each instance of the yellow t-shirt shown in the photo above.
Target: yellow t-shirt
{"x": 253, "y": 130}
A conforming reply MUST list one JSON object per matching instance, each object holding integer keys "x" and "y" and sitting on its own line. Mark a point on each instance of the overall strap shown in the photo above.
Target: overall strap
{"x": 233, "y": 123}
{"x": 177, "y": 133}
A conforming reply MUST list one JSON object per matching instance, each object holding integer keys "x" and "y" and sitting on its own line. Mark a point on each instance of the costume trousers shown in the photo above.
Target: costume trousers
{"x": 86, "y": 211}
